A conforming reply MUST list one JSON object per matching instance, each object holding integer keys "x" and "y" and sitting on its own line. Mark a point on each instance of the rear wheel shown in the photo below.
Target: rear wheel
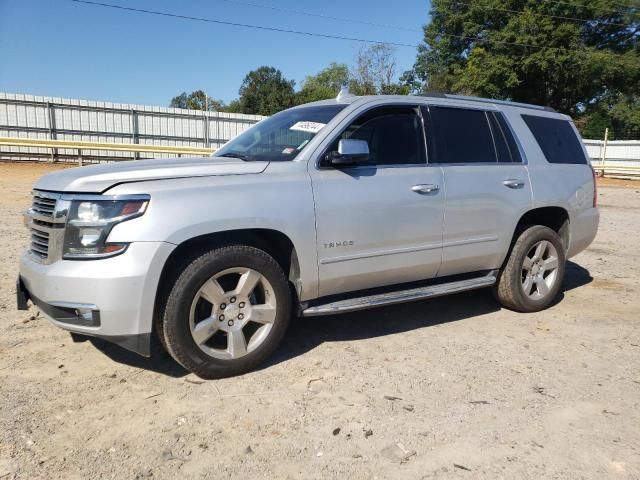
{"x": 227, "y": 312}
{"x": 532, "y": 276}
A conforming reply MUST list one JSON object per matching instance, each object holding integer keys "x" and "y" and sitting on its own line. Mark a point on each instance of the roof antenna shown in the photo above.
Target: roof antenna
{"x": 344, "y": 94}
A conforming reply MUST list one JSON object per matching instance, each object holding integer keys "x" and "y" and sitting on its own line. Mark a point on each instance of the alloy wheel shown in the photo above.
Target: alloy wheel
{"x": 232, "y": 313}
{"x": 540, "y": 270}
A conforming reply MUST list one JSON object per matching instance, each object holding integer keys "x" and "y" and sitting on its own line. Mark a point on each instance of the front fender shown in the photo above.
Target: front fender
{"x": 182, "y": 209}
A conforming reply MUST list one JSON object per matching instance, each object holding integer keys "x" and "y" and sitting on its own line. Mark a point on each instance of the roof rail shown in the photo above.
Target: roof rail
{"x": 488, "y": 100}
{"x": 434, "y": 94}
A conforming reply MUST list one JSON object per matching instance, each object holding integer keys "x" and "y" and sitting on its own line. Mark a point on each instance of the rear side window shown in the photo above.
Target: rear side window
{"x": 511, "y": 141}
{"x": 460, "y": 136}
{"x": 502, "y": 149}
{"x": 557, "y": 139}
{"x": 506, "y": 147}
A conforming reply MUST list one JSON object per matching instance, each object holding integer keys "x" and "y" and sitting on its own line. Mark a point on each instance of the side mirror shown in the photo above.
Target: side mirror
{"x": 350, "y": 152}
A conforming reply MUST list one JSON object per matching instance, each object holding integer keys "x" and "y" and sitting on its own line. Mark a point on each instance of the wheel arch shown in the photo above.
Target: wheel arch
{"x": 555, "y": 217}
{"x": 273, "y": 242}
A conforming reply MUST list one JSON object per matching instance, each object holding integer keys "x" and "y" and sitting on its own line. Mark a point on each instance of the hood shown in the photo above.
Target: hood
{"x": 98, "y": 178}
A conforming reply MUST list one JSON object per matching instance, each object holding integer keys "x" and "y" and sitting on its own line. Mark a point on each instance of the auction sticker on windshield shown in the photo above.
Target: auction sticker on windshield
{"x": 310, "y": 127}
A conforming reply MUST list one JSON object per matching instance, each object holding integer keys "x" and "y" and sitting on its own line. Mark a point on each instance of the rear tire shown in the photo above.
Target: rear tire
{"x": 532, "y": 276}
{"x": 227, "y": 312}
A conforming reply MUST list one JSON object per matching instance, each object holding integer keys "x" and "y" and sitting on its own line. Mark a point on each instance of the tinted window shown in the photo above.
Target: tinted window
{"x": 506, "y": 147}
{"x": 394, "y": 135}
{"x": 460, "y": 136}
{"x": 502, "y": 149}
{"x": 511, "y": 141}
{"x": 556, "y": 139}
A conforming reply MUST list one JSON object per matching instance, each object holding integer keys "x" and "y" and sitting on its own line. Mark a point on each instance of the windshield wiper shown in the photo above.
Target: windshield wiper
{"x": 246, "y": 158}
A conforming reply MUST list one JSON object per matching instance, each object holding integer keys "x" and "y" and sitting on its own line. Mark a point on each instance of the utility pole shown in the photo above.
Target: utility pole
{"x": 206, "y": 120}
{"x": 604, "y": 145}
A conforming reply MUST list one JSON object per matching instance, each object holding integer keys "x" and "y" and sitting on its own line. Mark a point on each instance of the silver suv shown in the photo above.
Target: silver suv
{"x": 324, "y": 208}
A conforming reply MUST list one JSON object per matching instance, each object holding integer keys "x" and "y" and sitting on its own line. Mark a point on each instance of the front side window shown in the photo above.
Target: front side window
{"x": 394, "y": 136}
{"x": 280, "y": 137}
{"x": 460, "y": 135}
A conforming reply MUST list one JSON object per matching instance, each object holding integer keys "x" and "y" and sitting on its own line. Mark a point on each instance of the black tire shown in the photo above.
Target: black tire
{"x": 175, "y": 321}
{"x": 509, "y": 289}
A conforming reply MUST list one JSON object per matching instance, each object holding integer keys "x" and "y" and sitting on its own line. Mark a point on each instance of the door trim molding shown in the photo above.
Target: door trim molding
{"x": 380, "y": 253}
{"x": 418, "y": 248}
{"x": 467, "y": 241}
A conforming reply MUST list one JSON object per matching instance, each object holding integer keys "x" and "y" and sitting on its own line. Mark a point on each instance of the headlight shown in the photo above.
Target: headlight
{"x": 90, "y": 220}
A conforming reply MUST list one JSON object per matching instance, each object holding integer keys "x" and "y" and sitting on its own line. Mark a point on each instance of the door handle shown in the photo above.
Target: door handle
{"x": 425, "y": 188}
{"x": 513, "y": 183}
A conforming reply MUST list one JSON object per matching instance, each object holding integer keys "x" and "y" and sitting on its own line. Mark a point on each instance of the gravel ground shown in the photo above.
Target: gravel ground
{"x": 453, "y": 387}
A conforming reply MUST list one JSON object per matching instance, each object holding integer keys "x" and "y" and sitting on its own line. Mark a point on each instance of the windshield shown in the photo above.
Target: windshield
{"x": 280, "y": 137}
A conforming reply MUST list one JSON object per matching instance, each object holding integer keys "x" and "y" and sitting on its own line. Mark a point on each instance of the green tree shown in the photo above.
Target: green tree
{"x": 619, "y": 113}
{"x": 324, "y": 84}
{"x": 372, "y": 74}
{"x": 197, "y": 100}
{"x": 234, "y": 107}
{"x": 534, "y": 51}
{"x": 265, "y": 91}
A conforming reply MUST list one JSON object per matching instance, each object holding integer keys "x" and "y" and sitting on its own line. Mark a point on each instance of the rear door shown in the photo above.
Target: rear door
{"x": 486, "y": 184}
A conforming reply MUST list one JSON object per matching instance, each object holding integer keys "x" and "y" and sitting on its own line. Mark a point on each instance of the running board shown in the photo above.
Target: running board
{"x": 401, "y": 296}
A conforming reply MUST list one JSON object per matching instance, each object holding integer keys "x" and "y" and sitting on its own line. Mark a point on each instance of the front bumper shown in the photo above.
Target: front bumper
{"x": 111, "y": 298}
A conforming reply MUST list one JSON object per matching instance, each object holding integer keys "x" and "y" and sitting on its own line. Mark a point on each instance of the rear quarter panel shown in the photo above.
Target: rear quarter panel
{"x": 568, "y": 186}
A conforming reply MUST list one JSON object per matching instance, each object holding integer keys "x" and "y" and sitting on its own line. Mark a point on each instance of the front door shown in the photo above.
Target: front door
{"x": 380, "y": 223}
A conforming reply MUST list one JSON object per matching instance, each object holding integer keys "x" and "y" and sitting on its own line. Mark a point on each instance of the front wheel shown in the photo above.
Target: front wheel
{"x": 533, "y": 273}
{"x": 227, "y": 312}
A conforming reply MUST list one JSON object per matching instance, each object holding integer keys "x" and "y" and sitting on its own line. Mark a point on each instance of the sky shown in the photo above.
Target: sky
{"x": 65, "y": 49}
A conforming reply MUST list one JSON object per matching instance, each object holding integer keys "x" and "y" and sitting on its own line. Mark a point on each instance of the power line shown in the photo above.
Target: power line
{"x": 624, "y": 5}
{"x": 527, "y": 45}
{"x": 320, "y": 15}
{"x": 484, "y": 26}
{"x": 408, "y": 29}
{"x": 245, "y": 25}
{"x": 520, "y": 12}
{"x": 311, "y": 34}
{"x": 602, "y": 9}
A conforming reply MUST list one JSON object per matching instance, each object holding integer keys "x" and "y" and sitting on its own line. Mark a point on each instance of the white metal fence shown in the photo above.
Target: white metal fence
{"x": 614, "y": 152}
{"x": 29, "y": 116}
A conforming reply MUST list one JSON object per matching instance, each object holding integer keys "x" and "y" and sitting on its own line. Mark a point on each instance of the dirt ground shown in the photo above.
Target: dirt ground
{"x": 453, "y": 387}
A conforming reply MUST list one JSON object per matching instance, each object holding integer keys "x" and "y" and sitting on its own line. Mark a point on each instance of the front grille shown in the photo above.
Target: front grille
{"x": 43, "y": 205}
{"x": 46, "y": 224}
{"x": 40, "y": 243}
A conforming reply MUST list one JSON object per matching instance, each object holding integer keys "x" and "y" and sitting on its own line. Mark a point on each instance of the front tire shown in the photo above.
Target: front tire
{"x": 533, "y": 274}
{"x": 227, "y": 312}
